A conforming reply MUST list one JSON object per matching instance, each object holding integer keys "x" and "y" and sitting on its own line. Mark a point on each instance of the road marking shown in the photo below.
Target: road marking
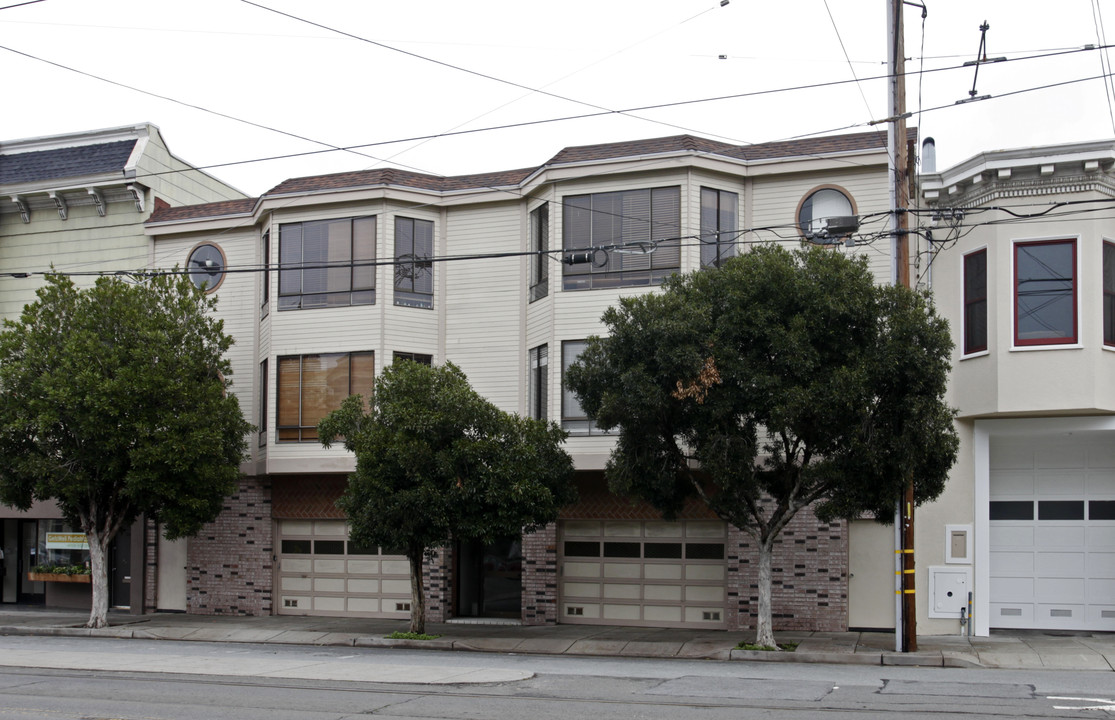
{"x": 1108, "y": 705}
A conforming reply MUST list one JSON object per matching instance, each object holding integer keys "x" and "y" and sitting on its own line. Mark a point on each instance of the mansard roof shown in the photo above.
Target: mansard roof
{"x": 66, "y": 162}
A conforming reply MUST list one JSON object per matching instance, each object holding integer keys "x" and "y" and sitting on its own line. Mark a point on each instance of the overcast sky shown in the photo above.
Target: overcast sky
{"x": 235, "y": 76}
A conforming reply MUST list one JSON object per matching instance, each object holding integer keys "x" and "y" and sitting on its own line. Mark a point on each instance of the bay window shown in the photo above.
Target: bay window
{"x": 1045, "y": 293}
{"x": 625, "y": 238}
{"x": 327, "y": 263}
{"x": 312, "y": 386}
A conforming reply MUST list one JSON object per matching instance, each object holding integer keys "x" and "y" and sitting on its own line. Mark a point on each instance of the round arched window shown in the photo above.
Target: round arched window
{"x": 818, "y": 207}
{"x": 206, "y": 266}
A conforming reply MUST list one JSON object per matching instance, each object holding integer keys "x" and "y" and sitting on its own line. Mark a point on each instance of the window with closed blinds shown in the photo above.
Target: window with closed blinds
{"x": 312, "y": 386}
{"x": 719, "y": 226}
{"x": 327, "y": 263}
{"x": 414, "y": 270}
{"x": 632, "y": 237}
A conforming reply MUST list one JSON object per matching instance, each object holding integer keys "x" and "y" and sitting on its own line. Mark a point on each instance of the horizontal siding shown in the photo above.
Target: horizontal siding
{"x": 775, "y": 201}
{"x": 486, "y": 296}
{"x": 175, "y": 181}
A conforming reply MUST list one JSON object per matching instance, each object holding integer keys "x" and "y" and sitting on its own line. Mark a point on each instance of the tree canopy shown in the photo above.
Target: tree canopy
{"x": 114, "y": 405}
{"x": 436, "y": 462}
{"x": 778, "y": 381}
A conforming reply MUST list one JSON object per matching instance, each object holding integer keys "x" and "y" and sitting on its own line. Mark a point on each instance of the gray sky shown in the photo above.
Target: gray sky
{"x": 246, "y": 62}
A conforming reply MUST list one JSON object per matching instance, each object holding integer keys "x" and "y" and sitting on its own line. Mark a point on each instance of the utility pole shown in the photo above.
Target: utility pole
{"x": 898, "y": 155}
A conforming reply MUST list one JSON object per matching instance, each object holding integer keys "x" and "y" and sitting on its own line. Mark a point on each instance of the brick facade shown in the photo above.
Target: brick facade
{"x": 540, "y": 576}
{"x": 229, "y": 563}
{"x": 809, "y": 577}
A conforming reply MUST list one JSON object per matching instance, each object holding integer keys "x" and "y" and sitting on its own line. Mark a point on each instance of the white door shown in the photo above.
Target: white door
{"x": 322, "y": 573}
{"x": 170, "y": 593}
{"x": 1052, "y": 533}
{"x": 870, "y": 575}
{"x": 651, "y": 574}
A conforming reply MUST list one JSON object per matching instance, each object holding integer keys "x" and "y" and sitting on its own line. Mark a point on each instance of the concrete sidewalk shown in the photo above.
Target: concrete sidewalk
{"x": 1003, "y": 649}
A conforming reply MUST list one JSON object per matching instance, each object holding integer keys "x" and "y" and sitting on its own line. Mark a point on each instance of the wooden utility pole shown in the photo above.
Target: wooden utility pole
{"x": 900, "y": 202}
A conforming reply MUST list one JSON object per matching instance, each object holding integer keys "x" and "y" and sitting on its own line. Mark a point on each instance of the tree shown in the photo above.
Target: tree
{"x": 435, "y": 462}
{"x": 781, "y": 380}
{"x": 113, "y": 404}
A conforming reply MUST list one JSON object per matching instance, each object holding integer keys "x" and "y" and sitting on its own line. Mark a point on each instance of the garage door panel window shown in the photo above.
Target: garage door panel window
{"x": 1101, "y": 510}
{"x": 1061, "y": 510}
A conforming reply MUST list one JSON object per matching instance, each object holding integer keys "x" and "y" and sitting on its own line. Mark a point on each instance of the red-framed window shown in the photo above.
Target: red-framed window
{"x": 975, "y": 302}
{"x": 1045, "y": 293}
{"x": 1109, "y": 293}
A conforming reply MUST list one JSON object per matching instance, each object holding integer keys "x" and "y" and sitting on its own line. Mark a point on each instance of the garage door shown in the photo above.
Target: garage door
{"x": 654, "y": 574}
{"x": 1052, "y": 534}
{"x": 322, "y": 573}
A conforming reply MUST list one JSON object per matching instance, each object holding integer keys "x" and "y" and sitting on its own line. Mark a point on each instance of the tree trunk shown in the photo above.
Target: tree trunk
{"x": 764, "y": 629}
{"x": 417, "y": 593}
{"x": 98, "y": 576}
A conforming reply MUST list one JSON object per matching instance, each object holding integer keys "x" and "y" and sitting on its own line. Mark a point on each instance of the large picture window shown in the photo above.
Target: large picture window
{"x": 1109, "y": 294}
{"x": 1045, "y": 292}
{"x": 327, "y": 263}
{"x": 312, "y": 386}
{"x": 539, "y": 244}
{"x": 414, "y": 272}
{"x": 719, "y": 226}
{"x": 975, "y": 302}
{"x": 638, "y": 230}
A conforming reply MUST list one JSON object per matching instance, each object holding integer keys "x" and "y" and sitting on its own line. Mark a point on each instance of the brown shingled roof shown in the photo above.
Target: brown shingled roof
{"x": 200, "y": 212}
{"x": 398, "y": 178}
{"x": 818, "y": 146}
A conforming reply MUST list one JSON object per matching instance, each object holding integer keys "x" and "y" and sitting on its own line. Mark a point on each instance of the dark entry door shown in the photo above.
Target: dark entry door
{"x": 31, "y": 553}
{"x": 120, "y": 570}
{"x": 490, "y": 579}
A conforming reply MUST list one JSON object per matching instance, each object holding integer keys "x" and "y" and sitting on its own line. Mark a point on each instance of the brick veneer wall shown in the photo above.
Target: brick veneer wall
{"x": 809, "y": 576}
{"x": 229, "y": 563}
{"x": 151, "y": 566}
{"x": 540, "y": 579}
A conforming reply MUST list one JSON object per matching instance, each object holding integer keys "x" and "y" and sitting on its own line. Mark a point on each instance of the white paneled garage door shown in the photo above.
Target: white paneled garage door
{"x": 654, "y": 574}
{"x": 1052, "y": 533}
{"x": 322, "y": 573}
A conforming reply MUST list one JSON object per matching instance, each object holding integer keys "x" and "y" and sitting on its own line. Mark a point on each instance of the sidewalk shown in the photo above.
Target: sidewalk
{"x": 1003, "y": 649}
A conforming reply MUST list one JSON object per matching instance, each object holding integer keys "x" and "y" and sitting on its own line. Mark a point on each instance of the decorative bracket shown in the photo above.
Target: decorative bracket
{"x": 98, "y": 200}
{"x": 24, "y": 207}
{"x": 60, "y": 203}
{"x": 137, "y": 195}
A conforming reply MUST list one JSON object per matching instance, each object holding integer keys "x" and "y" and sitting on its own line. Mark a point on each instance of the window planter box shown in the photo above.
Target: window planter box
{"x": 57, "y": 577}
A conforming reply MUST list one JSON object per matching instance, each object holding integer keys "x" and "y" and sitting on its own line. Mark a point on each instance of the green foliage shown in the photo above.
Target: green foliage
{"x": 398, "y": 635}
{"x": 789, "y": 377}
{"x": 114, "y": 404}
{"x": 435, "y": 462}
{"x": 61, "y": 569}
{"x": 784, "y": 647}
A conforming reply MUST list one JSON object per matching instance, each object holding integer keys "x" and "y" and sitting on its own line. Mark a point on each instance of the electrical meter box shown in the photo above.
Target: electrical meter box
{"x": 948, "y": 591}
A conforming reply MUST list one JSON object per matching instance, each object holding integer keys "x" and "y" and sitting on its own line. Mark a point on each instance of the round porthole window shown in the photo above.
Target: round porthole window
{"x": 825, "y": 215}
{"x": 206, "y": 266}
